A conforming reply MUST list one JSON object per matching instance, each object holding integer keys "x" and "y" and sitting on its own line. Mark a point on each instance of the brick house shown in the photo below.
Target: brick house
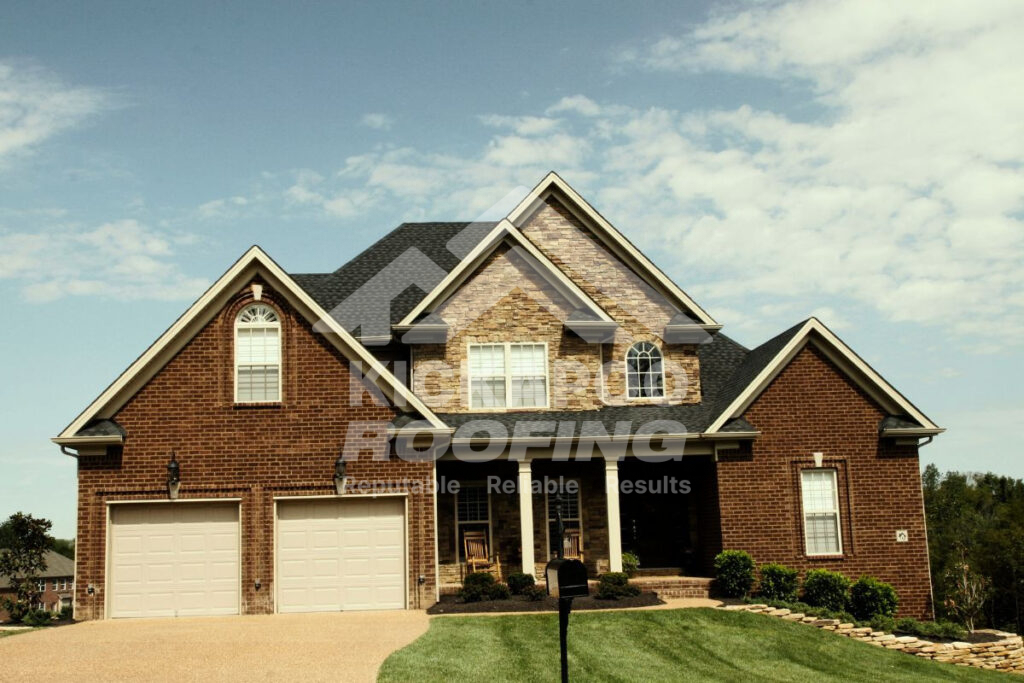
{"x": 305, "y": 442}
{"x": 56, "y": 585}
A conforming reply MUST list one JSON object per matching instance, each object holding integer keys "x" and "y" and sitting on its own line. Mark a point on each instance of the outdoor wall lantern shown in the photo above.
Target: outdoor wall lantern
{"x": 565, "y": 579}
{"x": 340, "y": 479}
{"x": 173, "y": 477}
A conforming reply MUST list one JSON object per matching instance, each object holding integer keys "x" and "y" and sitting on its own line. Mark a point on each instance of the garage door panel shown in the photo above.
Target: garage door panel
{"x": 175, "y": 559}
{"x": 354, "y": 552}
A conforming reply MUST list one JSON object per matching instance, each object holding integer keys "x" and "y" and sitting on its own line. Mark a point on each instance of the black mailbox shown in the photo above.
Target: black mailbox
{"x": 566, "y": 579}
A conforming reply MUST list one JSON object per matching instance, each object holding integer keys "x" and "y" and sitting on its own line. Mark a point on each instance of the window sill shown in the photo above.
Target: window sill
{"x": 266, "y": 404}
{"x": 830, "y": 556}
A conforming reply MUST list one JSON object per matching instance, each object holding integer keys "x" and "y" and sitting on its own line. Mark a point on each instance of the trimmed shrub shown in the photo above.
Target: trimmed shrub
{"x": 779, "y": 582}
{"x": 734, "y": 573}
{"x": 519, "y": 582}
{"x": 534, "y": 593}
{"x": 66, "y": 613}
{"x": 479, "y": 586}
{"x": 615, "y": 585}
{"x": 630, "y": 563}
{"x": 871, "y": 598}
{"x": 830, "y": 590}
{"x": 931, "y": 629}
{"x": 37, "y": 617}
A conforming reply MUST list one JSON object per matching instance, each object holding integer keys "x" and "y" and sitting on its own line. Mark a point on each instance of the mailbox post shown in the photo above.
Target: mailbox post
{"x": 566, "y": 579}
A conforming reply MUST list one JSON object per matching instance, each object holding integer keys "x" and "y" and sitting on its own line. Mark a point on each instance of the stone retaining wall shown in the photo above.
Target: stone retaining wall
{"x": 1004, "y": 654}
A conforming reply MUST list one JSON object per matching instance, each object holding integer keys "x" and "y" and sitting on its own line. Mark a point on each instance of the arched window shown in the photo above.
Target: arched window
{"x": 645, "y": 377}
{"x": 257, "y": 355}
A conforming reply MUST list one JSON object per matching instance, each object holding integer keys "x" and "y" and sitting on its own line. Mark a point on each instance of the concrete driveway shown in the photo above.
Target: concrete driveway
{"x": 331, "y": 646}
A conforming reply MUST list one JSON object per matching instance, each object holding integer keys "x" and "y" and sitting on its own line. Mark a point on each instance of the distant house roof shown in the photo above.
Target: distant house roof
{"x": 57, "y": 566}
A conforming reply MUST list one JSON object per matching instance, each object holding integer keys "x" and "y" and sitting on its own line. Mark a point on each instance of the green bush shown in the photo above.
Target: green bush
{"x": 534, "y": 593}
{"x": 830, "y": 590}
{"x": 66, "y": 613}
{"x": 883, "y": 622}
{"x": 779, "y": 582}
{"x": 734, "y": 573}
{"x": 931, "y": 629}
{"x": 630, "y": 563}
{"x": 479, "y": 586}
{"x": 519, "y": 582}
{"x": 870, "y": 598}
{"x": 37, "y": 617}
{"x": 615, "y": 585}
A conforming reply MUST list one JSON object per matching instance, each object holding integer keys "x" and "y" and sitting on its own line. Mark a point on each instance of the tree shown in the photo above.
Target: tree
{"x": 966, "y": 593}
{"x": 65, "y": 547}
{"x": 24, "y": 560}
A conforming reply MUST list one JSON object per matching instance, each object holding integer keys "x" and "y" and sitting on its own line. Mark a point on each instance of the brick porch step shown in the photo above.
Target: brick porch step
{"x": 663, "y": 586}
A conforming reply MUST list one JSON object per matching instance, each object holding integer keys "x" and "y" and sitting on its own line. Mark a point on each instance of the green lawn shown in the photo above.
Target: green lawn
{"x": 657, "y": 645}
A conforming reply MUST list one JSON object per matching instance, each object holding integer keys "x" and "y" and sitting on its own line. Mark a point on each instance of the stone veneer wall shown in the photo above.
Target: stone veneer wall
{"x": 1006, "y": 653}
{"x": 506, "y": 301}
{"x": 641, "y": 311}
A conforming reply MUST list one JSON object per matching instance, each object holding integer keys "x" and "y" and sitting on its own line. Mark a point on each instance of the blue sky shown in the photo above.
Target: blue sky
{"x": 854, "y": 160}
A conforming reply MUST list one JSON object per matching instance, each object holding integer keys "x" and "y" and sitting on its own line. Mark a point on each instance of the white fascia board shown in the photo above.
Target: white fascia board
{"x": 254, "y": 261}
{"x": 612, "y": 237}
{"x": 912, "y": 431}
{"x": 862, "y": 373}
{"x": 501, "y": 232}
{"x": 87, "y": 440}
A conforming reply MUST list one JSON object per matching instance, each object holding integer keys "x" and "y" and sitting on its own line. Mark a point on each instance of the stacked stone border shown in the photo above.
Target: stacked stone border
{"x": 1004, "y": 654}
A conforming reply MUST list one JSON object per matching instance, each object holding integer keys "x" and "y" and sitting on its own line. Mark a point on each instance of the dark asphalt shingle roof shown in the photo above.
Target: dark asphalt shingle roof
{"x": 435, "y": 241}
{"x": 101, "y": 428}
{"x": 897, "y": 422}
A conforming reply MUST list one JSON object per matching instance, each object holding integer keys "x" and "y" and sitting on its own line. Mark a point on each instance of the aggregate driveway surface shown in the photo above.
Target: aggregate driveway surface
{"x": 330, "y": 646}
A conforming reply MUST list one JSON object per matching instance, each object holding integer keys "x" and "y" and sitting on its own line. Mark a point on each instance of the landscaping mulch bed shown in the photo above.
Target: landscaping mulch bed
{"x": 451, "y": 605}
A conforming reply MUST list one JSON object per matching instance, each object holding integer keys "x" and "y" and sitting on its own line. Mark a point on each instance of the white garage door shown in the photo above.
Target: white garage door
{"x": 344, "y": 554}
{"x": 173, "y": 559}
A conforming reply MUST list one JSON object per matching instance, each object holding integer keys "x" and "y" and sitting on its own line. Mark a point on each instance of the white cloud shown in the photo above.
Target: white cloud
{"x": 122, "y": 260}
{"x": 905, "y": 196}
{"x": 522, "y": 125}
{"x": 378, "y": 121}
{"x": 35, "y": 105}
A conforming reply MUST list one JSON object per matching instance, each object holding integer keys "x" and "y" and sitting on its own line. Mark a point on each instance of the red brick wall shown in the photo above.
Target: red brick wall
{"x": 254, "y": 453}
{"x": 811, "y": 406}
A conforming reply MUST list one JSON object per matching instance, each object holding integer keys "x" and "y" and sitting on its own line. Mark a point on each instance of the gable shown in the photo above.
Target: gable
{"x": 254, "y": 264}
{"x": 507, "y": 272}
{"x": 553, "y": 187}
{"x": 764, "y": 364}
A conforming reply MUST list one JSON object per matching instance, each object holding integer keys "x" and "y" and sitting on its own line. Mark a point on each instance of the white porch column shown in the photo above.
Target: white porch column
{"x": 526, "y": 516}
{"x": 611, "y": 487}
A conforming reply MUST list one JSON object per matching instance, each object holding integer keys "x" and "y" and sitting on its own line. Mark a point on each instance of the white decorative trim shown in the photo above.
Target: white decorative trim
{"x": 813, "y": 331}
{"x": 610, "y": 236}
{"x": 254, "y": 261}
{"x": 502, "y": 232}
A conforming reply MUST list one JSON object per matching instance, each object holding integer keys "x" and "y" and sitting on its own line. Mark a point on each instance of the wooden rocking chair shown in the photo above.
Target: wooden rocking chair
{"x": 572, "y": 545}
{"x": 478, "y": 556}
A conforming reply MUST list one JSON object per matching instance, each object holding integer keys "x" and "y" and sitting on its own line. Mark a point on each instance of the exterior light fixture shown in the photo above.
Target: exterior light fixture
{"x": 340, "y": 479}
{"x": 173, "y": 477}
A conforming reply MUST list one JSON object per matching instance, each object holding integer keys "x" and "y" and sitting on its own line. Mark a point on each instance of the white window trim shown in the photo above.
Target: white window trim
{"x": 549, "y": 519}
{"x": 664, "y": 381}
{"x": 508, "y": 376}
{"x": 280, "y": 351}
{"x": 835, "y": 503}
{"x": 458, "y": 523}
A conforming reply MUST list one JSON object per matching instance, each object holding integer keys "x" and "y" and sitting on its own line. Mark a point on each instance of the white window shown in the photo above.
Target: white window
{"x": 257, "y": 355}
{"x": 472, "y": 513}
{"x": 508, "y": 375}
{"x": 569, "y": 490}
{"x": 645, "y": 373}
{"x": 41, "y": 586}
{"x": 821, "y": 511}
{"x": 64, "y": 585}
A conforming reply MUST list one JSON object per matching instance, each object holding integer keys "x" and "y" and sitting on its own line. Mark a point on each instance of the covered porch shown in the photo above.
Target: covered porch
{"x": 665, "y": 513}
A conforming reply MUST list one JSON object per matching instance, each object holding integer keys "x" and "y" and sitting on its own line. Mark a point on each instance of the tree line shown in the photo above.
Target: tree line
{"x": 976, "y": 545}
